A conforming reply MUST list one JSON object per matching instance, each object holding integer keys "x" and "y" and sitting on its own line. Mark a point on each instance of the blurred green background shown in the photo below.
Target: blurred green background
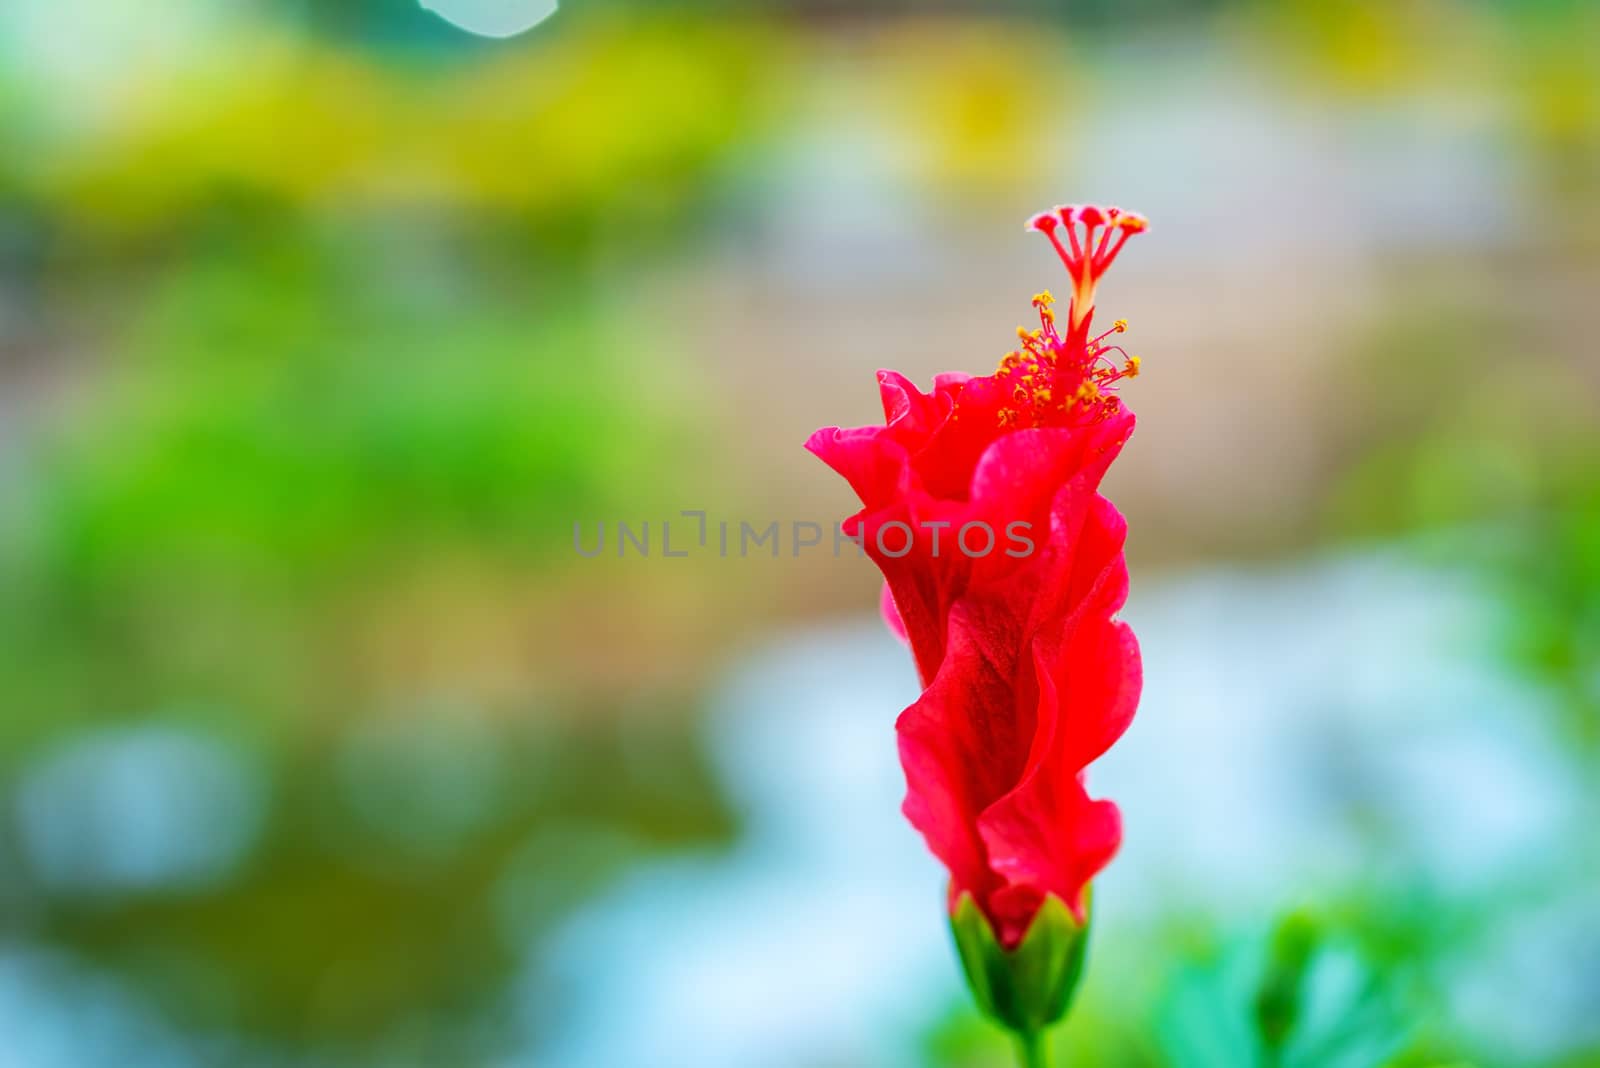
{"x": 322, "y": 323}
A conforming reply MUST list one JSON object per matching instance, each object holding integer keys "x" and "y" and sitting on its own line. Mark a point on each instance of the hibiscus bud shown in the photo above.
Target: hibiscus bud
{"x": 1028, "y": 987}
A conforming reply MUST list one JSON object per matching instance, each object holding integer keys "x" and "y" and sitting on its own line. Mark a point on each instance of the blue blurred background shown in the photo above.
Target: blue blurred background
{"x": 322, "y": 323}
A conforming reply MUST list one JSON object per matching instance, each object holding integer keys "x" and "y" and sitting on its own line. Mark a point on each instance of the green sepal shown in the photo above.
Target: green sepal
{"x": 1028, "y": 988}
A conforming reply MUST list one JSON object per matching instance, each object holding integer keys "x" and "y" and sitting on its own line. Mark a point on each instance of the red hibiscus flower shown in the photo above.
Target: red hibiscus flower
{"x": 1004, "y": 573}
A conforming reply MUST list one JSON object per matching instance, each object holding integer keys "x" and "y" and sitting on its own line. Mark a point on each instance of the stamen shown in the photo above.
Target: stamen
{"x": 1118, "y": 327}
{"x": 1055, "y": 379}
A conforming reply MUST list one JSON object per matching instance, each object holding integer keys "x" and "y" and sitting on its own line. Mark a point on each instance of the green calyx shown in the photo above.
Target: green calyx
{"x": 1030, "y": 987}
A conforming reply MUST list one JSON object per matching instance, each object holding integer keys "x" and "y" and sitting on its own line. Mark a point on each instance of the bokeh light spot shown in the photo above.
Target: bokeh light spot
{"x": 137, "y": 810}
{"x": 493, "y": 18}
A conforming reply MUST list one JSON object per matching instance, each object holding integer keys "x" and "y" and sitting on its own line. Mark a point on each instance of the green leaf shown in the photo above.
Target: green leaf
{"x": 1277, "y": 1002}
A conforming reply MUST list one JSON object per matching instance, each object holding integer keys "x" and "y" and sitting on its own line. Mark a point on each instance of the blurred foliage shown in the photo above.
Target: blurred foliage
{"x": 1550, "y": 578}
{"x": 1310, "y": 994}
{"x": 606, "y": 124}
{"x": 1511, "y": 464}
{"x": 352, "y": 375}
{"x": 297, "y": 433}
{"x": 1279, "y": 996}
{"x": 374, "y": 900}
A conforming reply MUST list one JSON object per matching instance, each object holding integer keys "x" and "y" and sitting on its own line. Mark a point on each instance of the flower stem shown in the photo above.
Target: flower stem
{"x": 1033, "y": 1049}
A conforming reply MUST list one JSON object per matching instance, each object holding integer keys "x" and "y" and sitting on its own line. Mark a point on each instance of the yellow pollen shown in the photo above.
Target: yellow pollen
{"x": 1120, "y": 326}
{"x": 1041, "y": 396}
{"x": 1007, "y": 417}
{"x": 1044, "y": 299}
{"x": 1132, "y": 368}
